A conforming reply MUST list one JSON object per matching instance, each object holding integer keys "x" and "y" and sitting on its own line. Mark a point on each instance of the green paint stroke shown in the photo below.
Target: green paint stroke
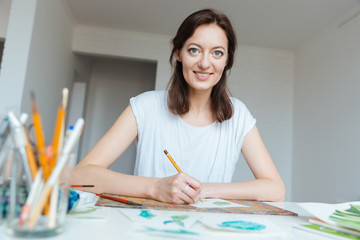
{"x": 146, "y": 214}
{"x": 89, "y": 210}
{"x": 221, "y": 203}
{"x": 177, "y": 219}
{"x": 243, "y": 225}
{"x": 177, "y": 231}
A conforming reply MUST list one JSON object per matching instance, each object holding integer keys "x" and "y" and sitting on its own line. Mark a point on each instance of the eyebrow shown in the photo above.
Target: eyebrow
{"x": 198, "y": 45}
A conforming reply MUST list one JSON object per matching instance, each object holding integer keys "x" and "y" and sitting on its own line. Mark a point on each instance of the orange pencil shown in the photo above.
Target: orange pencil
{"x": 57, "y": 142}
{"x": 31, "y": 158}
{"x": 172, "y": 161}
{"x": 40, "y": 140}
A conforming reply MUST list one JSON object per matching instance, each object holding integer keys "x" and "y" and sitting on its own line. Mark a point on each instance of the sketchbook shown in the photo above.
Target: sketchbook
{"x": 250, "y": 207}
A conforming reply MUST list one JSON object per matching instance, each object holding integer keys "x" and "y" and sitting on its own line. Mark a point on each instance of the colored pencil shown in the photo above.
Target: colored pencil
{"x": 118, "y": 199}
{"x": 40, "y": 140}
{"x": 75, "y": 186}
{"x": 19, "y": 140}
{"x": 58, "y": 138}
{"x": 68, "y": 147}
{"x": 172, "y": 160}
{"x": 25, "y": 211}
{"x": 57, "y": 146}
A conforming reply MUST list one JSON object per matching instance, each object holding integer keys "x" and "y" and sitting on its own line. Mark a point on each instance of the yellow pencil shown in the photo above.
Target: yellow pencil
{"x": 172, "y": 161}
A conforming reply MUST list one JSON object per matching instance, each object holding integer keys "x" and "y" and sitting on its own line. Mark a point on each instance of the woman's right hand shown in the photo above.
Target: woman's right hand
{"x": 177, "y": 189}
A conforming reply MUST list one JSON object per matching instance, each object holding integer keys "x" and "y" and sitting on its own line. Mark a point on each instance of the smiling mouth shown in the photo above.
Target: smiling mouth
{"x": 203, "y": 74}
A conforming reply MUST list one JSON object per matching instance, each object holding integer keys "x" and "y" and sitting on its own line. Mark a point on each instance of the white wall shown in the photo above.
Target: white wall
{"x": 38, "y": 57}
{"x": 142, "y": 46}
{"x": 16, "y": 54}
{"x": 112, "y": 83}
{"x": 327, "y": 115}
{"x": 4, "y": 16}
{"x": 262, "y": 78}
{"x": 50, "y": 62}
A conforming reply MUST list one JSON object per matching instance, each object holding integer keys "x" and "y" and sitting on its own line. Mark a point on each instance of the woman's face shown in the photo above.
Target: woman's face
{"x": 204, "y": 57}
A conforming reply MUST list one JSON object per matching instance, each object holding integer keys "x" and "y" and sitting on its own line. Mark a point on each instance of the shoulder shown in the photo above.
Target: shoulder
{"x": 238, "y": 105}
{"x": 241, "y": 111}
{"x": 148, "y": 103}
{"x": 149, "y": 98}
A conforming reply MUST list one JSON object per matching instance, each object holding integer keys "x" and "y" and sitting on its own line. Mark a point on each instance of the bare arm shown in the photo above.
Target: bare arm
{"x": 93, "y": 169}
{"x": 268, "y": 185}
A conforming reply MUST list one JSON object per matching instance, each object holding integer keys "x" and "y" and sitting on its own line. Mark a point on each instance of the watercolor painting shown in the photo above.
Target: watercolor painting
{"x": 162, "y": 219}
{"x": 170, "y": 231}
{"x": 216, "y": 203}
{"x": 146, "y": 214}
{"x": 177, "y": 220}
{"x": 241, "y": 223}
{"x": 87, "y": 212}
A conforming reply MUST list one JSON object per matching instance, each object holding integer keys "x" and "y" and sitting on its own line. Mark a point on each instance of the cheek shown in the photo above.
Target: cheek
{"x": 220, "y": 67}
{"x": 187, "y": 64}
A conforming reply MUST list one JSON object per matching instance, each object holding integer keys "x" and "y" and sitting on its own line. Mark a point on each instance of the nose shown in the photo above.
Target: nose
{"x": 204, "y": 62}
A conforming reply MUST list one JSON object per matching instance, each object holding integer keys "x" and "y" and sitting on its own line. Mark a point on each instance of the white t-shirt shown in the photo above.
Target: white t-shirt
{"x": 207, "y": 153}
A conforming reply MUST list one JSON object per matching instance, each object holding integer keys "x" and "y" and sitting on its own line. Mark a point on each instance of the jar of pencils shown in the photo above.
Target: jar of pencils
{"x": 40, "y": 210}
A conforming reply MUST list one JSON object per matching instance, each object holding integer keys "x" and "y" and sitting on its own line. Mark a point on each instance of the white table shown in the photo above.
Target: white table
{"x": 117, "y": 226}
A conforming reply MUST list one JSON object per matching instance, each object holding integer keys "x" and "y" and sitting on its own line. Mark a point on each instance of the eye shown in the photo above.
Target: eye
{"x": 193, "y": 51}
{"x": 218, "y": 53}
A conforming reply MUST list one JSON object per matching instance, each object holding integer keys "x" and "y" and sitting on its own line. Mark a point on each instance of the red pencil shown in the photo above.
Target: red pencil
{"x": 118, "y": 199}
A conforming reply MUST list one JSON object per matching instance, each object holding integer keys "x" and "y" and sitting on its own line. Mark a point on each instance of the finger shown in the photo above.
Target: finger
{"x": 193, "y": 182}
{"x": 191, "y": 195}
{"x": 186, "y": 198}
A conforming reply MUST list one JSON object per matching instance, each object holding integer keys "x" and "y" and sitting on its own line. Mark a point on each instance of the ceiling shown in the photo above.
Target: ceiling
{"x": 282, "y": 24}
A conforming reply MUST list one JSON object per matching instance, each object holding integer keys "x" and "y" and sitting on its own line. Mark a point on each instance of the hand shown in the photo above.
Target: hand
{"x": 178, "y": 189}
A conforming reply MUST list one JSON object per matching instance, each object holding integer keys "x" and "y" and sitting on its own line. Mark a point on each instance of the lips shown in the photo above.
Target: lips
{"x": 202, "y": 75}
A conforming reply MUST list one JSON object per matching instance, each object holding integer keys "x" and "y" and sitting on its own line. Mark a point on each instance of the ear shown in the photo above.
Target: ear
{"x": 178, "y": 58}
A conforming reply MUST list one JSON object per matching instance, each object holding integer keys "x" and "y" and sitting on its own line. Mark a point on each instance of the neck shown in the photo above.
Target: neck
{"x": 199, "y": 101}
{"x": 200, "y": 113}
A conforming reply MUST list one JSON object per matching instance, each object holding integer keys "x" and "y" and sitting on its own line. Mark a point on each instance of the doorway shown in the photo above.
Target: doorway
{"x": 112, "y": 82}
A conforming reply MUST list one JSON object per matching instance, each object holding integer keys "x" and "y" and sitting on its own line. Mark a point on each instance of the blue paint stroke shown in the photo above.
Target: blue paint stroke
{"x": 177, "y": 231}
{"x": 146, "y": 214}
{"x": 243, "y": 225}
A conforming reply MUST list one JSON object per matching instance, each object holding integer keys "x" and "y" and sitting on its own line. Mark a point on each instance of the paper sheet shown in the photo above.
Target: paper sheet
{"x": 324, "y": 210}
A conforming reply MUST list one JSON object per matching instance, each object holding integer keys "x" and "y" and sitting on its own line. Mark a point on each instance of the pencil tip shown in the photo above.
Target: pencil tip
{"x": 33, "y": 103}
{"x": 166, "y": 152}
{"x": 32, "y": 95}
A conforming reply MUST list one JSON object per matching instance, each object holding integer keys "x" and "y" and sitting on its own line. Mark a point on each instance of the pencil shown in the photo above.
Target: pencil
{"x": 25, "y": 211}
{"x": 118, "y": 199}
{"x": 175, "y": 165}
{"x": 172, "y": 161}
{"x": 45, "y": 193}
{"x": 57, "y": 143}
{"x": 82, "y": 186}
{"x": 39, "y": 135}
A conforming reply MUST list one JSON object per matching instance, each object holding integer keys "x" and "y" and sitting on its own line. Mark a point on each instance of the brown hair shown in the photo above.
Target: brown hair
{"x": 178, "y": 101}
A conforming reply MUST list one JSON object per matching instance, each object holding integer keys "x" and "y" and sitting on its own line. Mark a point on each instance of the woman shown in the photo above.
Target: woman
{"x": 196, "y": 121}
